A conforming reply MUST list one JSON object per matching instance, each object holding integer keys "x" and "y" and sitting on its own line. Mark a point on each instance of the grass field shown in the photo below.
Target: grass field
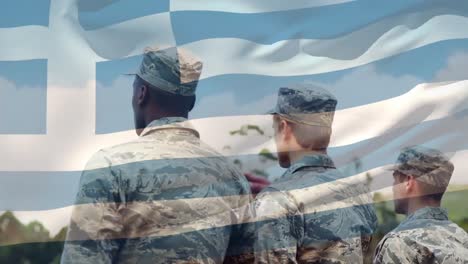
{"x": 456, "y": 201}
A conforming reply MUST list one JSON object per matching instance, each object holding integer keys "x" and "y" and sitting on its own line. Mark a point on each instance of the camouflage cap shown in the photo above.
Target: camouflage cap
{"x": 173, "y": 70}
{"x": 306, "y": 104}
{"x": 427, "y": 165}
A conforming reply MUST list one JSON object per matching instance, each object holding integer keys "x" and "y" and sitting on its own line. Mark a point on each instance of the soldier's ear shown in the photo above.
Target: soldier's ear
{"x": 284, "y": 127}
{"x": 281, "y": 125}
{"x": 410, "y": 183}
{"x": 142, "y": 94}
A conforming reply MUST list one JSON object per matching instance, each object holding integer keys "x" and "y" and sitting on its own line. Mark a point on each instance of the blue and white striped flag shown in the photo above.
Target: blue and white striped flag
{"x": 398, "y": 68}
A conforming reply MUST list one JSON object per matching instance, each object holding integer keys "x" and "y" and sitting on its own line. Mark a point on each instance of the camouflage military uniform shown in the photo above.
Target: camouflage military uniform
{"x": 165, "y": 198}
{"x": 307, "y": 230}
{"x": 313, "y": 213}
{"x": 426, "y": 236}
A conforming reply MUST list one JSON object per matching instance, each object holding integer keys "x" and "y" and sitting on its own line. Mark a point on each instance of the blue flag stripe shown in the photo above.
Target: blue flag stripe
{"x": 120, "y": 11}
{"x": 24, "y": 12}
{"x": 312, "y": 23}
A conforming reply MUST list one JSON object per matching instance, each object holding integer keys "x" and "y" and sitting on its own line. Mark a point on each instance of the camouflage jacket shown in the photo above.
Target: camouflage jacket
{"x": 313, "y": 215}
{"x": 164, "y": 198}
{"x": 426, "y": 236}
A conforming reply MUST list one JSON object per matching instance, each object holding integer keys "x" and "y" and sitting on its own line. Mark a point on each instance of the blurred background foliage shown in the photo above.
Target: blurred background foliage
{"x": 30, "y": 243}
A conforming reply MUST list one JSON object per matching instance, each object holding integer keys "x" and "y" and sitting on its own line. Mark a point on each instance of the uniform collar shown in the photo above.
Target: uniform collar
{"x": 169, "y": 123}
{"x": 435, "y": 213}
{"x": 315, "y": 160}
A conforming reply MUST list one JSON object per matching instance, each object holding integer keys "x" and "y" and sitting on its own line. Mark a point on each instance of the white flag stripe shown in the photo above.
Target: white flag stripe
{"x": 351, "y": 125}
{"x": 425, "y": 102}
{"x": 131, "y": 37}
{"x": 430, "y": 102}
{"x": 305, "y": 57}
{"x": 15, "y": 48}
{"x": 249, "y": 6}
{"x": 448, "y": 135}
{"x": 55, "y": 219}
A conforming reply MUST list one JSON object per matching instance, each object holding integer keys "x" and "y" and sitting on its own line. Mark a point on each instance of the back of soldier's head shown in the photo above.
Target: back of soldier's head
{"x": 172, "y": 76}
{"x": 172, "y": 104}
{"x": 309, "y": 110}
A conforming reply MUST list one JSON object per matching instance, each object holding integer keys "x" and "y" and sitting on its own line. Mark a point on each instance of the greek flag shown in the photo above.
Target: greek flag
{"x": 399, "y": 70}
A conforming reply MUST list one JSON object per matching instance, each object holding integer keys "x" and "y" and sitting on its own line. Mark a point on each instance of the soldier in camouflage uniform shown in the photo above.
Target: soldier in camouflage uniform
{"x": 166, "y": 197}
{"x": 313, "y": 214}
{"x": 421, "y": 177}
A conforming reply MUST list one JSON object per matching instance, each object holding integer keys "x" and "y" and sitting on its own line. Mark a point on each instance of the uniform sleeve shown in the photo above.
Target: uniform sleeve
{"x": 279, "y": 226}
{"x": 380, "y": 251}
{"x": 397, "y": 249}
{"x": 242, "y": 235}
{"x": 95, "y": 222}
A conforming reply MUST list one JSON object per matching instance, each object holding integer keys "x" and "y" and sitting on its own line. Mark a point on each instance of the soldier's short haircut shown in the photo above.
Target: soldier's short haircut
{"x": 430, "y": 191}
{"x": 310, "y": 137}
{"x": 178, "y": 105}
{"x": 433, "y": 192}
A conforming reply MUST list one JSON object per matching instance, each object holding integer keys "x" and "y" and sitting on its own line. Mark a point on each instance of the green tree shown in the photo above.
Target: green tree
{"x": 29, "y": 243}
{"x": 264, "y": 156}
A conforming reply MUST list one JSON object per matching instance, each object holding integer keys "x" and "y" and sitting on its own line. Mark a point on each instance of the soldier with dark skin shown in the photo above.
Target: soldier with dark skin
{"x": 421, "y": 177}
{"x": 165, "y": 197}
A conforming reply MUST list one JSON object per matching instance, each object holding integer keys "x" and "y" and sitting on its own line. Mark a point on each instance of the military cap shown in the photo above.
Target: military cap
{"x": 173, "y": 70}
{"x": 428, "y": 165}
{"x": 306, "y": 104}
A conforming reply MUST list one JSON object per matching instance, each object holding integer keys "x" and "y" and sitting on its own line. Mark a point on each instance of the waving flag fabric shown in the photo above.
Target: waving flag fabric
{"x": 398, "y": 69}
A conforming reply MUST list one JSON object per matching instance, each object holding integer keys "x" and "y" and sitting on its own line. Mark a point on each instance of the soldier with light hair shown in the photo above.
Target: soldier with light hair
{"x": 313, "y": 213}
{"x": 165, "y": 197}
{"x": 421, "y": 177}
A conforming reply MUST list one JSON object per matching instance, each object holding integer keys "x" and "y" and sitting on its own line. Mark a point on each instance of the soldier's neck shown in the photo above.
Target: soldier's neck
{"x": 158, "y": 115}
{"x": 295, "y": 156}
{"x": 417, "y": 203}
